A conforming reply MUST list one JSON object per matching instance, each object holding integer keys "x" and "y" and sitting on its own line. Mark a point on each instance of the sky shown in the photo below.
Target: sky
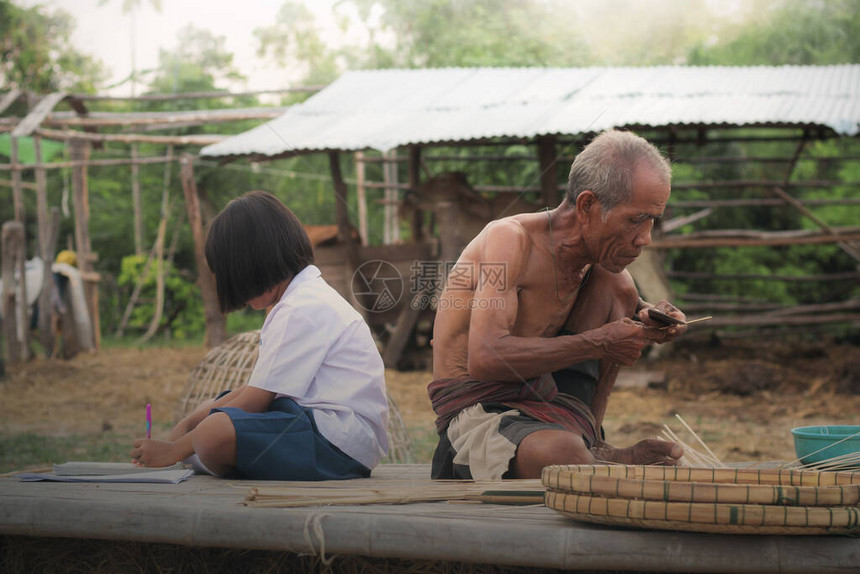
{"x": 103, "y": 31}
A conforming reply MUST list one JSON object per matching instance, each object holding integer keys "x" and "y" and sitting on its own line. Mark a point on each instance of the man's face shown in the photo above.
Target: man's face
{"x": 626, "y": 229}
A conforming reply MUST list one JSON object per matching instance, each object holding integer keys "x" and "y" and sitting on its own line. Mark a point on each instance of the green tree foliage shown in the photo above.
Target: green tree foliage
{"x": 294, "y": 43}
{"x": 183, "y": 307}
{"x": 795, "y": 32}
{"x": 798, "y": 32}
{"x": 438, "y": 33}
{"x": 36, "y": 52}
{"x": 199, "y": 63}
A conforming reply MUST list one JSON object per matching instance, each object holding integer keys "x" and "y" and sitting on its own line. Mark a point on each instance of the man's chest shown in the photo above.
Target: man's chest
{"x": 541, "y": 313}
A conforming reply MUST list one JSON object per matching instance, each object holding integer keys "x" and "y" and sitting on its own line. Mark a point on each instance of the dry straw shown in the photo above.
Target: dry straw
{"x": 228, "y": 366}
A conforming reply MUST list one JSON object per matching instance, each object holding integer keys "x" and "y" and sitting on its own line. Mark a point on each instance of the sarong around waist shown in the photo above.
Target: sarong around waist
{"x": 538, "y": 398}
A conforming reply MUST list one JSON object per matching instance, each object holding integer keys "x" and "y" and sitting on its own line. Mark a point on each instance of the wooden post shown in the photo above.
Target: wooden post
{"x": 135, "y": 199}
{"x": 79, "y": 153}
{"x": 216, "y": 323}
{"x": 548, "y": 177}
{"x": 391, "y": 194}
{"x": 47, "y": 234}
{"x": 14, "y": 253}
{"x": 344, "y": 231}
{"x": 411, "y": 311}
{"x": 362, "y": 197}
{"x": 414, "y": 180}
{"x": 17, "y": 194}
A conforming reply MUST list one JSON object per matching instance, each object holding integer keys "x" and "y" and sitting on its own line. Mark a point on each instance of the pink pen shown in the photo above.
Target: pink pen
{"x": 148, "y": 420}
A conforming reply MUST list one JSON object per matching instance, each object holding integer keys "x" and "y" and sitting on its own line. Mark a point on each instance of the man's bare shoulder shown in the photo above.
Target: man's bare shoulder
{"x": 517, "y": 229}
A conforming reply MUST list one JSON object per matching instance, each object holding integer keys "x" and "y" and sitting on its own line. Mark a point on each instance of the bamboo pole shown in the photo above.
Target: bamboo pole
{"x": 79, "y": 152}
{"x": 361, "y": 192}
{"x": 548, "y": 179}
{"x": 764, "y": 183}
{"x": 741, "y": 238}
{"x": 216, "y": 327}
{"x": 8, "y": 99}
{"x": 195, "y": 139}
{"x": 135, "y": 199}
{"x": 414, "y": 181}
{"x": 696, "y": 204}
{"x": 17, "y": 195}
{"x": 344, "y": 229}
{"x": 196, "y": 95}
{"x": 47, "y": 234}
{"x": 76, "y": 163}
{"x": 848, "y": 275}
{"x": 13, "y": 246}
{"x": 391, "y": 230}
{"x": 24, "y": 184}
{"x": 100, "y": 120}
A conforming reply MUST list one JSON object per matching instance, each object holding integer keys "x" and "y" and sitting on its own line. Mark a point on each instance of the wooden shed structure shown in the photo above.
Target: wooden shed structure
{"x": 529, "y": 121}
{"x": 81, "y": 131}
{"x": 412, "y": 115}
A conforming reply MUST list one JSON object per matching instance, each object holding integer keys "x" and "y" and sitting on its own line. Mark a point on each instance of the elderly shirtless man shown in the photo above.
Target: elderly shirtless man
{"x": 538, "y": 315}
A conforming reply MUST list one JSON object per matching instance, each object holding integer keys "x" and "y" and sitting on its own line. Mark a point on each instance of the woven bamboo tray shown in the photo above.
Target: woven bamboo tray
{"x": 713, "y": 485}
{"x": 731, "y": 501}
{"x": 786, "y": 476}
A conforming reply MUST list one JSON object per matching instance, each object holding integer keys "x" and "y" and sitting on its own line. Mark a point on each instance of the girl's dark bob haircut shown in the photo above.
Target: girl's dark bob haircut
{"x": 255, "y": 243}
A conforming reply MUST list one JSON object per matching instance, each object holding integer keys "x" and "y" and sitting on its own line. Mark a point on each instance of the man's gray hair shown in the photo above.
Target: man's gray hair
{"x": 606, "y": 165}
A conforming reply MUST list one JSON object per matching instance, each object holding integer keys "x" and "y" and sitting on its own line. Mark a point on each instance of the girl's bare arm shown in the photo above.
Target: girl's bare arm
{"x": 191, "y": 421}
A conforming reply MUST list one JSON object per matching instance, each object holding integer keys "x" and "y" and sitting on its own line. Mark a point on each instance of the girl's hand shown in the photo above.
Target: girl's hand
{"x": 149, "y": 452}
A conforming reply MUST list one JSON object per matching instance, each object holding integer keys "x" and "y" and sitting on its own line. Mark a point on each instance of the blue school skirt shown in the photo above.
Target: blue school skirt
{"x": 283, "y": 443}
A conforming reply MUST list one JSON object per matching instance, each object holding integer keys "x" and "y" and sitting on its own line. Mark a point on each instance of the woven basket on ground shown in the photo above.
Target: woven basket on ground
{"x": 726, "y": 500}
{"x": 229, "y": 365}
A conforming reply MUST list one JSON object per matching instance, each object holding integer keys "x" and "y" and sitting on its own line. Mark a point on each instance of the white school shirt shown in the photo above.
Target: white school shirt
{"x": 316, "y": 349}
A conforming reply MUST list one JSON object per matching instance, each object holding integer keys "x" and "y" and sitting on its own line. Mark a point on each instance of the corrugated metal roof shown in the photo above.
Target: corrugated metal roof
{"x": 384, "y": 109}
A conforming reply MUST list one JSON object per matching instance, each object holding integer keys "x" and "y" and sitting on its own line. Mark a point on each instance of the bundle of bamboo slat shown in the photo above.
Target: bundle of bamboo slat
{"x": 359, "y": 491}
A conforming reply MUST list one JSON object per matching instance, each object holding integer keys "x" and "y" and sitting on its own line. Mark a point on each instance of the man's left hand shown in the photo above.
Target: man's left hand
{"x": 658, "y": 332}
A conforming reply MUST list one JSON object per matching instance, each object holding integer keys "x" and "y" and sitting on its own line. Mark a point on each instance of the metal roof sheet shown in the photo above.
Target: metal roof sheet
{"x": 384, "y": 109}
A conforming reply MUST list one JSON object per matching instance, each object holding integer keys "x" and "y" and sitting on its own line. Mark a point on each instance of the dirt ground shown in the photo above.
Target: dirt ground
{"x": 741, "y": 397}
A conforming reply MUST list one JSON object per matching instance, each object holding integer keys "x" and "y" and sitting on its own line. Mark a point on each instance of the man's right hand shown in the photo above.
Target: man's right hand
{"x": 622, "y": 341}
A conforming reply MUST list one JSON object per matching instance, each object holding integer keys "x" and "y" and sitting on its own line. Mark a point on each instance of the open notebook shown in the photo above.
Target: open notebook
{"x": 84, "y": 471}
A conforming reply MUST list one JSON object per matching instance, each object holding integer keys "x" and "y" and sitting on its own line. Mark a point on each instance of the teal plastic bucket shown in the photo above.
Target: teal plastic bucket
{"x": 819, "y": 443}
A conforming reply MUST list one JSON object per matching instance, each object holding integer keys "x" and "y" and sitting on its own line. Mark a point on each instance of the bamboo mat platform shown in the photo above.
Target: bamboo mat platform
{"x": 206, "y": 511}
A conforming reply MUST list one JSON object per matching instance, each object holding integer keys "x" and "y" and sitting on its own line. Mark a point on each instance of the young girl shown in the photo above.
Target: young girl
{"x": 315, "y": 406}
